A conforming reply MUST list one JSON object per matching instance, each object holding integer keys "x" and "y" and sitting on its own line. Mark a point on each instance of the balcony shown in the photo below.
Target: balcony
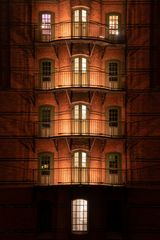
{"x": 79, "y": 176}
{"x": 69, "y": 79}
{"x": 71, "y": 127}
{"x": 67, "y": 175}
{"x": 79, "y": 30}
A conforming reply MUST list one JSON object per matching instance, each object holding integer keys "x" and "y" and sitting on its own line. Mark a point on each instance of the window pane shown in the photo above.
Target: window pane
{"x": 79, "y": 215}
{"x": 76, "y": 159}
{"x": 45, "y": 164}
{"x": 113, "y": 163}
{"x": 113, "y": 117}
{"x": 84, "y": 65}
{"x": 76, "y": 112}
{"x": 46, "y": 70}
{"x": 113, "y": 24}
{"x": 46, "y": 117}
{"x": 84, "y": 159}
{"x": 113, "y": 71}
{"x": 76, "y": 16}
{"x": 76, "y": 64}
{"x": 84, "y": 112}
{"x": 46, "y": 24}
{"x": 84, "y": 15}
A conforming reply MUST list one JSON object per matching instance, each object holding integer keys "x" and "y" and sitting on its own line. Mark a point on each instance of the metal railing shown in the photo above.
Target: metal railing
{"x": 79, "y": 30}
{"x": 89, "y": 79}
{"x": 88, "y": 127}
{"x": 71, "y": 175}
{"x": 79, "y": 176}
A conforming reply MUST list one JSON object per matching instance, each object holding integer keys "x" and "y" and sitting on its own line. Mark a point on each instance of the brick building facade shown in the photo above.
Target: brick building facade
{"x": 79, "y": 136}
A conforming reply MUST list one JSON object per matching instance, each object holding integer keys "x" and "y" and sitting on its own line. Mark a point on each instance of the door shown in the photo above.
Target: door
{"x": 80, "y": 170}
{"x": 80, "y": 71}
{"x": 79, "y": 23}
{"x": 46, "y": 168}
{"x": 80, "y": 124}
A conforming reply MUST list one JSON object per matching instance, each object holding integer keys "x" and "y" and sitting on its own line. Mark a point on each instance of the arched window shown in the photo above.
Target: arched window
{"x": 80, "y": 71}
{"x": 79, "y": 22}
{"x": 46, "y": 26}
{"x": 80, "y": 167}
{"x": 79, "y": 215}
{"x": 80, "y": 124}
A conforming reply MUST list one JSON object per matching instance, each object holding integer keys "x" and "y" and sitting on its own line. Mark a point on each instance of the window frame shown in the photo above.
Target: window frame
{"x": 47, "y": 170}
{"x": 50, "y": 28}
{"x": 80, "y": 111}
{"x": 117, "y": 29}
{"x": 80, "y": 228}
{"x": 47, "y": 77}
{"x": 46, "y": 124}
{"x": 117, "y": 162}
{"x": 80, "y": 27}
{"x": 113, "y": 77}
{"x": 113, "y": 122}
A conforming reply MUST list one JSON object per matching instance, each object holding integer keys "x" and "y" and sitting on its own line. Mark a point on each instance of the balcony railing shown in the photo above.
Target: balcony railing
{"x": 69, "y": 175}
{"x": 91, "y": 127}
{"x": 90, "y": 79}
{"x": 79, "y": 176}
{"x": 79, "y": 30}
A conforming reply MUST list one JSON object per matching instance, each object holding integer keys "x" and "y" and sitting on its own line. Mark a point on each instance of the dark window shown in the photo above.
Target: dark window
{"x": 113, "y": 71}
{"x": 113, "y": 117}
{"x": 46, "y": 116}
{"x": 46, "y": 70}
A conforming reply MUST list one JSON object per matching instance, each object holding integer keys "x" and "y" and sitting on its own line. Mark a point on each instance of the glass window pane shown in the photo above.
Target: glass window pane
{"x": 113, "y": 117}
{"x": 76, "y": 159}
{"x": 113, "y": 71}
{"x": 76, "y": 16}
{"x": 84, "y": 15}
{"x": 84, "y": 65}
{"x": 46, "y": 23}
{"x": 84, "y": 159}
{"x": 46, "y": 116}
{"x": 76, "y": 64}
{"x": 45, "y": 164}
{"x": 113, "y": 24}
{"x": 79, "y": 215}
{"x": 76, "y": 112}
{"x": 84, "y": 112}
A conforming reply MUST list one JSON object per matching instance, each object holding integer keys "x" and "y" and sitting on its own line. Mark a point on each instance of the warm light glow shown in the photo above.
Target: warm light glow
{"x": 79, "y": 215}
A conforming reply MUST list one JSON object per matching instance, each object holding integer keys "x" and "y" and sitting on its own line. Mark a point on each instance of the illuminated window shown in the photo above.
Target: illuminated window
{"x": 79, "y": 171}
{"x": 80, "y": 71}
{"x": 80, "y": 112}
{"x": 46, "y": 21}
{"x": 80, "y": 64}
{"x": 113, "y": 163}
{"x": 113, "y": 70}
{"x": 79, "y": 215}
{"x": 113, "y": 22}
{"x": 113, "y": 117}
{"x": 79, "y": 21}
